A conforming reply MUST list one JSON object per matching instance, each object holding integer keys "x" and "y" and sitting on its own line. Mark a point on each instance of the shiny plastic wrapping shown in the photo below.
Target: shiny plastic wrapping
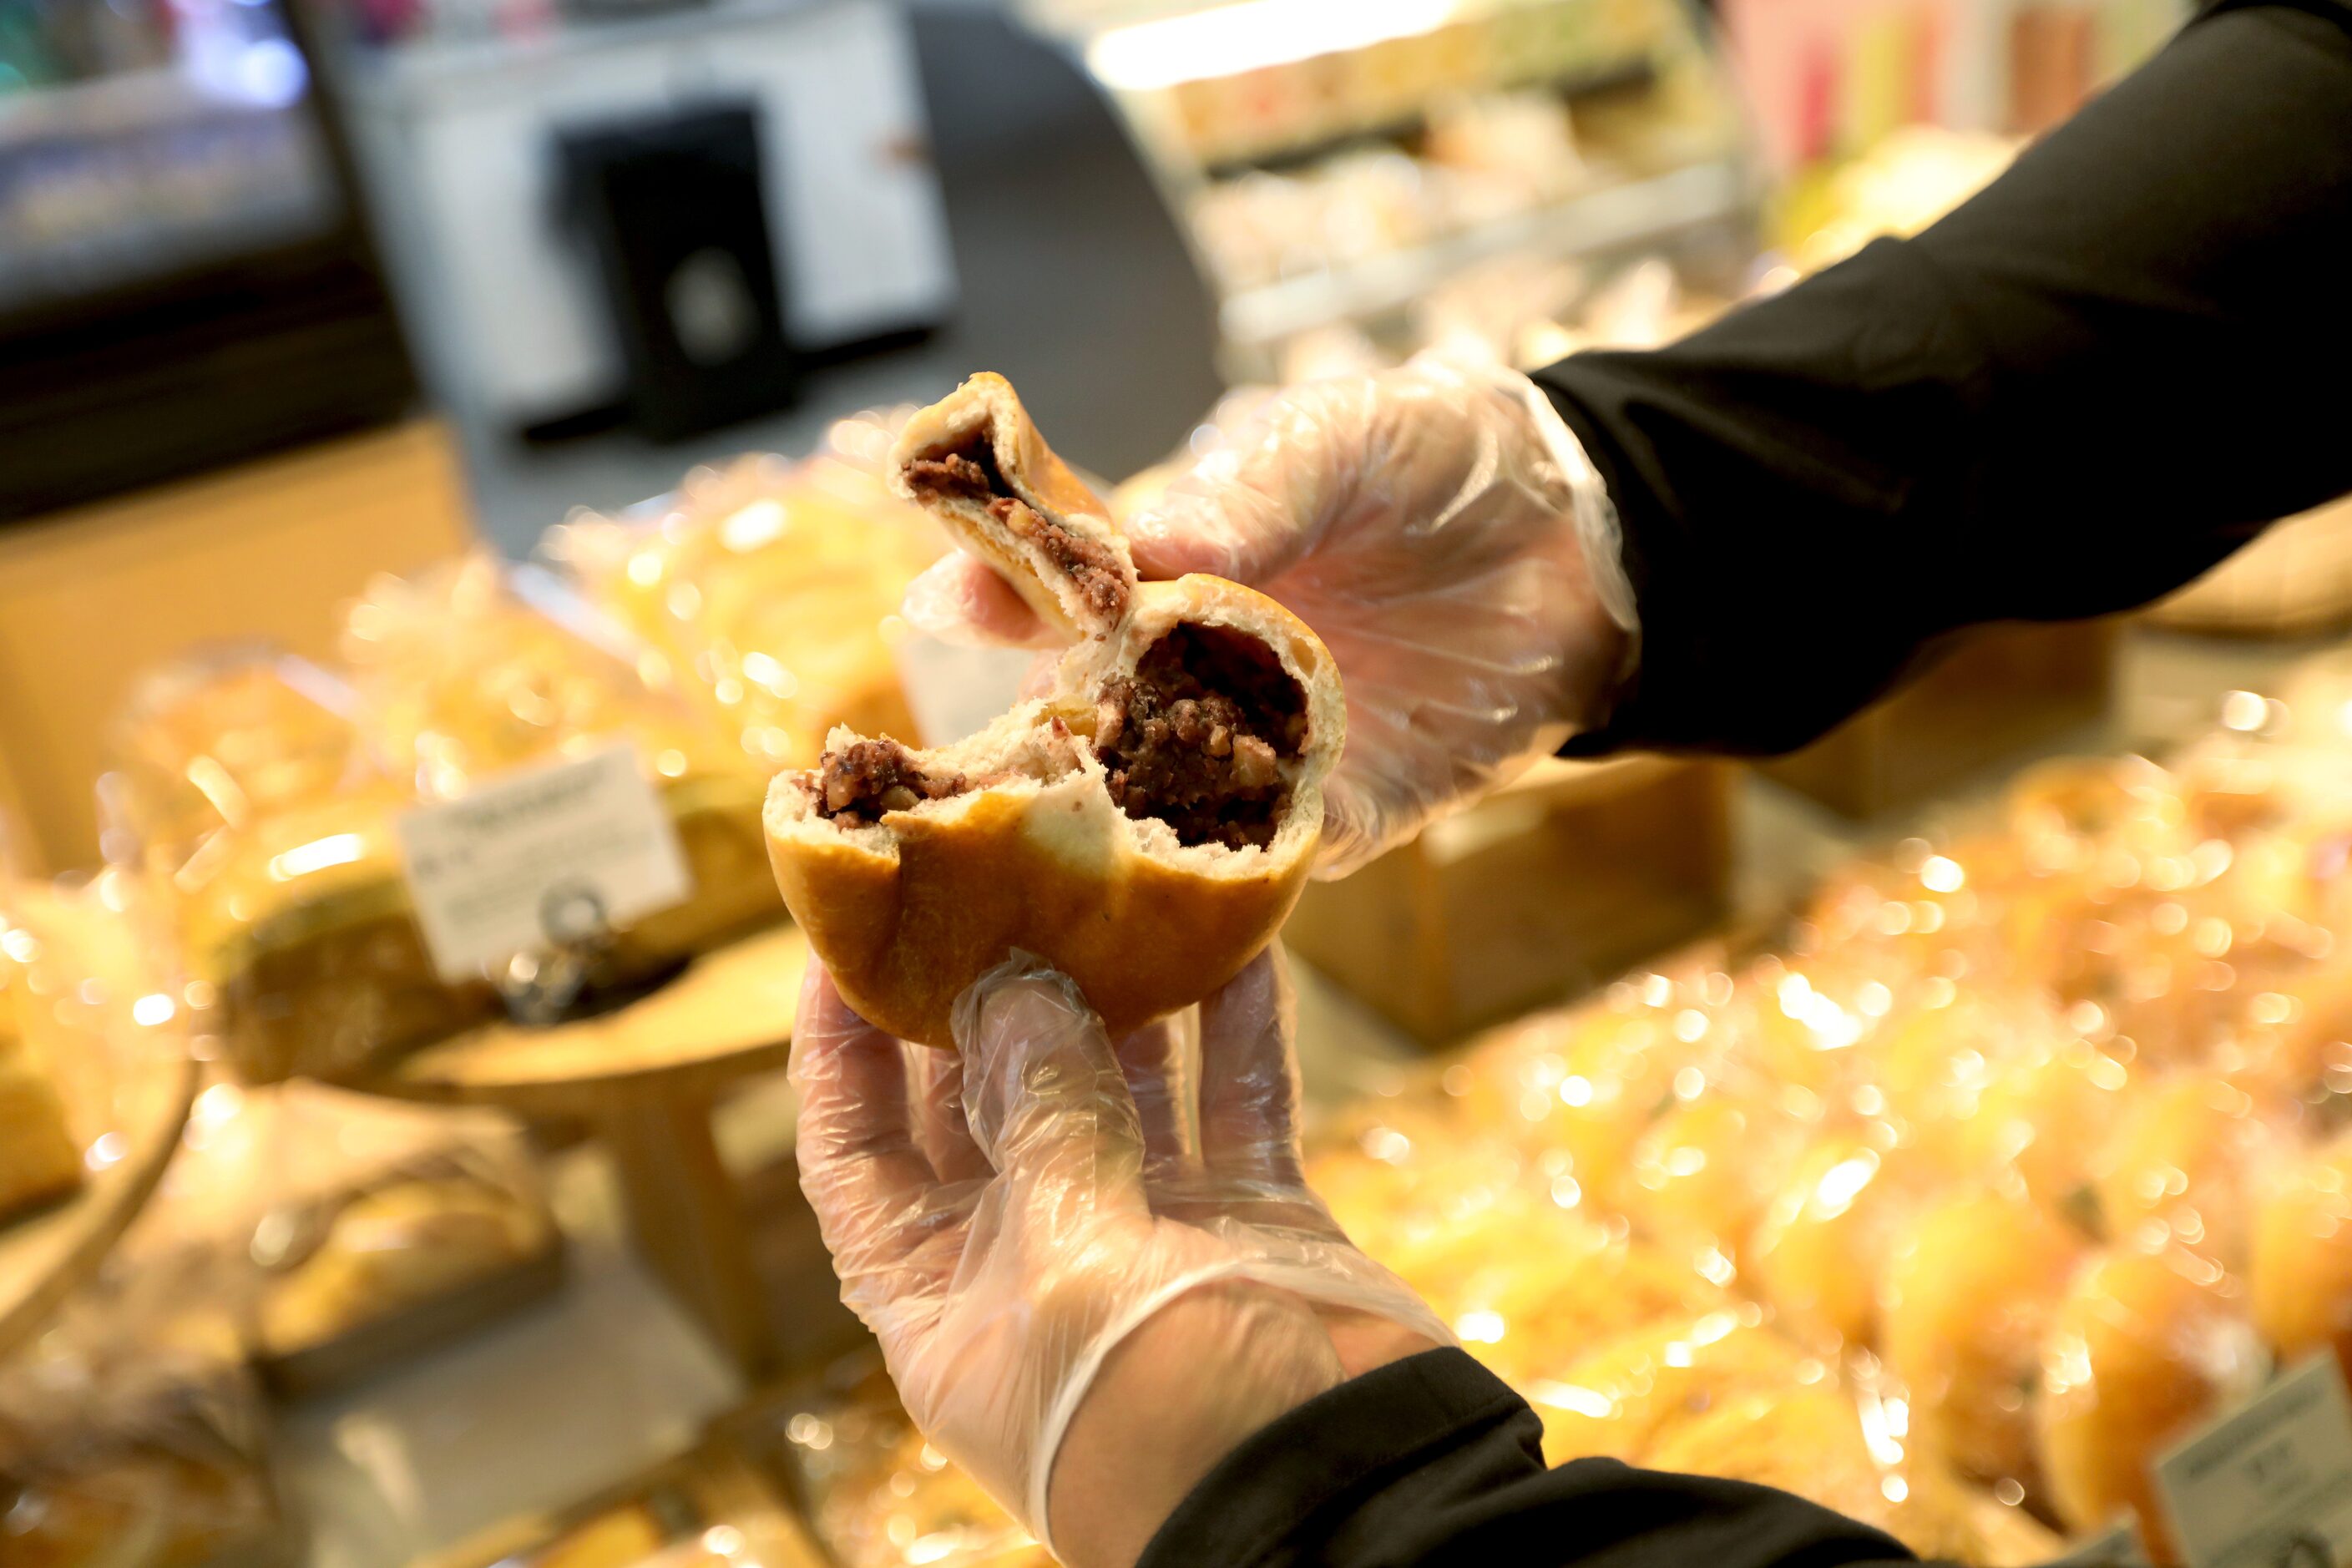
{"x": 877, "y": 1493}
{"x": 336, "y": 1230}
{"x": 2021, "y": 1149}
{"x": 254, "y": 797}
{"x": 474, "y": 668}
{"x": 245, "y": 797}
{"x": 768, "y": 590}
{"x": 40, "y": 1146}
{"x": 92, "y": 1048}
{"x": 130, "y": 1435}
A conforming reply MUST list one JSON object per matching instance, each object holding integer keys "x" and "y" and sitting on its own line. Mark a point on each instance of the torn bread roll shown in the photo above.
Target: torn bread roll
{"x": 1145, "y": 828}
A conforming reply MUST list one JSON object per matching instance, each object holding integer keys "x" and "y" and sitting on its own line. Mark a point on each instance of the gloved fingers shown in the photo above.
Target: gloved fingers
{"x": 1255, "y": 505}
{"x": 964, "y": 602}
{"x": 1045, "y": 1097}
{"x": 941, "y": 1126}
{"x": 867, "y": 1182}
{"x": 1249, "y": 1078}
{"x": 1155, "y": 1061}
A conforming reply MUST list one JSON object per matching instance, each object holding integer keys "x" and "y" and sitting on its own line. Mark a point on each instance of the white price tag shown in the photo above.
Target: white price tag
{"x": 2269, "y": 1485}
{"x": 2117, "y": 1546}
{"x": 538, "y": 856}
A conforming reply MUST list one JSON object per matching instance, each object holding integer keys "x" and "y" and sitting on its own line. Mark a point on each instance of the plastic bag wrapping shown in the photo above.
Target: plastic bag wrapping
{"x": 40, "y": 1146}
{"x": 98, "y": 1045}
{"x": 768, "y": 590}
{"x": 877, "y": 1493}
{"x": 1630, "y": 1342}
{"x": 244, "y": 797}
{"x": 310, "y": 1216}
{"x": 474, "y": 668}
{"x": 2021, "y": 1149}
{"x": 131, "y": 1435}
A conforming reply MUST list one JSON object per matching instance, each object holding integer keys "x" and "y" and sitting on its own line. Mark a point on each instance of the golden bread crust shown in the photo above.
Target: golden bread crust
{"x": 906, "y": 910}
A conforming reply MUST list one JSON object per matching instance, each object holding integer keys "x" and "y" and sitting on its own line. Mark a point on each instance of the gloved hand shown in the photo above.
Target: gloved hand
{"x": 1089, "y": 1283}
{"x": 1442, "y": 532}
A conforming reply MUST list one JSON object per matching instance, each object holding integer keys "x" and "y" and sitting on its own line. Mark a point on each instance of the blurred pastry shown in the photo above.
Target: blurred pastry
{"x": 767, "y": 588}
{"x": 2299, "y": 1278}
{"x": 913, "y": 1507}
{"x": 1823, "y": 1243}
{"x": 1971, "y": 1288}
{"x": 474, "y": 668}
{"x": 2177, "y": 1166}
{"x": 224, "y": 739}
{"x": 1705, "y": 1171}
{"x": 2041, "y": 1115}
{"x": 2145, "y": 1347}
{"x": 39, "y": 1160}
{"x": 299, "y": 931}
{"x": 127, "y": 1441}
{"x": 243, "y": 793}
{"x": 1615, "y": 1401}
{"x": 390, "y": 1249}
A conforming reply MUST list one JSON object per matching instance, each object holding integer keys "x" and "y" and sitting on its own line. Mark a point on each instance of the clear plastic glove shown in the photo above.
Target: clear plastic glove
{"x": 1442, "y": 532}
{"x": 1090, "y": 1283}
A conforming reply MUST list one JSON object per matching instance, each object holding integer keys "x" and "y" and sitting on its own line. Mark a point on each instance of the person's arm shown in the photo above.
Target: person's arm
{"x": 1434, "y": 1462}
{"x": 2080, "y": 390}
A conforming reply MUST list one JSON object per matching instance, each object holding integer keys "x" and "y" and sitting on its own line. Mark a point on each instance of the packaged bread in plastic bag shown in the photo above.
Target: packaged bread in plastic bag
{"x": 1634, "y": 1335}
{"x": 40, "y": 1146}
{"x": 2145, "y": 1346}
{"x": 242, "y": 795}
{"x": 130, "y": 1435}
{"x": 474, "y": 670}
{"x": 877, "y": 1493}
{"x": 342, "y": 1231}
{"x": 769, "y": 590}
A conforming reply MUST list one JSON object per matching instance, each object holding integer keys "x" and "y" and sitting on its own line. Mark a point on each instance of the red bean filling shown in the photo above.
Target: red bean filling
{"x": 970, "y": 473}
{"x": 1192, "y": 736}
{"x": 859, "y": 784}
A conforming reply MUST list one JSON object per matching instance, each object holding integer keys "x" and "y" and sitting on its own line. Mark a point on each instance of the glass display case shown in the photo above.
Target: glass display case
{"x": 174, "y": 223}
{"x": 1339, "y": 170}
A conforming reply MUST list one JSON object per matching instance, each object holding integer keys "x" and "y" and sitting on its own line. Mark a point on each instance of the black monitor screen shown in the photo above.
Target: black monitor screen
{"x": 140, "y": 139}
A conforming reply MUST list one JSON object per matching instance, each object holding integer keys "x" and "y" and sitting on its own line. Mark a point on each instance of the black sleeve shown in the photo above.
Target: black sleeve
{"x": 1432, "y": 1462}
{"x": 2081, "y": 389}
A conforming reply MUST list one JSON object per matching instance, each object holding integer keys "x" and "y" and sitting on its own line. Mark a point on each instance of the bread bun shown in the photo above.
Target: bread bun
{"x": 1971, "y": 1287}
{"x": 2299, "y": 1281}
{"x": 2145, "y": 1346}
{"x": 1818, "y": 1251}
{"x": 2178, "y": 1166}
{"x": 1618, "y": 1401}
{"x": 1145, "y": 828}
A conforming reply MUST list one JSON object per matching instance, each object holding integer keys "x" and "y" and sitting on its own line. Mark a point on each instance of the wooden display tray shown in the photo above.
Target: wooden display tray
{"x": 362, "y": 1352}
{"x": 728, "y": 1014}
{"x": 2005, "y": 689}
{"x": 647, "y": 1077}
{"x": 1550, "y": 886}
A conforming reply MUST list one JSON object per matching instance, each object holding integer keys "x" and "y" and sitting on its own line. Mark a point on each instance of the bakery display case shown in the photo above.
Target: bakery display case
{"x": 1338, "y": 171}
{"x": 259, "y": 800}
{"x": 2005, "y": 1164}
